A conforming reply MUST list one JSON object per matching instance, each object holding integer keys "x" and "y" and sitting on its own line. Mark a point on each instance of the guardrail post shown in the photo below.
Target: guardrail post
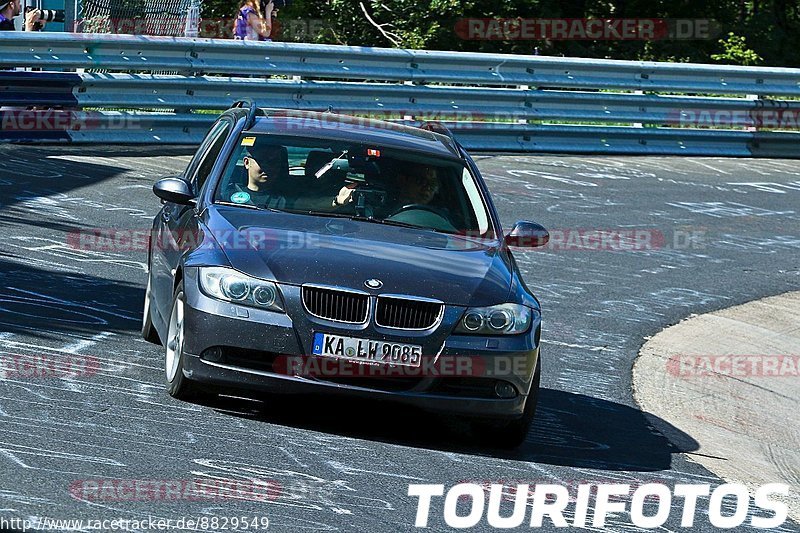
{"x": 192, "y": 19}
{"x": 754, "y": 110}
{"x": 71, "y": 16}
{"x": 638, "y": 124}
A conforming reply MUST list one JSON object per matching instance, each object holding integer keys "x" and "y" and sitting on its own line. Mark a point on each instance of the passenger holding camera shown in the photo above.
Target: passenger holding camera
{"x": 12, "y": 9}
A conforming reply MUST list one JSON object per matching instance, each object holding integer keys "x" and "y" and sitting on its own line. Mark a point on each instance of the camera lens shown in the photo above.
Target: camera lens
{"x": 53, "y": 15}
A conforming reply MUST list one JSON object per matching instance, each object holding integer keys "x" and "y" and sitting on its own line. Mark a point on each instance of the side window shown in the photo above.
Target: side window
{"x": 216, "y": 141}
{"x": 201, "y": 150}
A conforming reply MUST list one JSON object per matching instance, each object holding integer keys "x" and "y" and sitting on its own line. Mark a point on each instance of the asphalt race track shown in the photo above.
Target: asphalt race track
{"x": 721, "y": 232}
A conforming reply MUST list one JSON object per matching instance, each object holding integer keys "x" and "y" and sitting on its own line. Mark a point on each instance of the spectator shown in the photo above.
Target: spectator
{"x": 250, "y": 25}
{"x": 12, "y": 9}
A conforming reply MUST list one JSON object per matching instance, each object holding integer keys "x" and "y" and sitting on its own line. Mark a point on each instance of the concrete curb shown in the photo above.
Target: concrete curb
{"x": 730, "y": 380}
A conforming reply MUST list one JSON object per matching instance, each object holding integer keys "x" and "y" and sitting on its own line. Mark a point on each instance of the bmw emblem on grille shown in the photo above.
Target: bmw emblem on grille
{"x": 373, "y": 283}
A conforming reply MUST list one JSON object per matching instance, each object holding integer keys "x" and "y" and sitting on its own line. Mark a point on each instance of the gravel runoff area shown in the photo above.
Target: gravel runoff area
{"x": 729, "y": 380}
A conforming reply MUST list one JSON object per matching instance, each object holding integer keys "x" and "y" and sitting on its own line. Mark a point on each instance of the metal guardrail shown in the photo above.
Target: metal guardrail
{"x": 382, "y": 99}
{"x": 112, "y": 127}
{"x": 495, "y": 99}
{"x": 199, "y": 56}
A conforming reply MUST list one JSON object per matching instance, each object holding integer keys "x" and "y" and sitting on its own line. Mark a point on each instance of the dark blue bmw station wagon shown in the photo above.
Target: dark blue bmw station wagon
{"x": 315, "y": 252}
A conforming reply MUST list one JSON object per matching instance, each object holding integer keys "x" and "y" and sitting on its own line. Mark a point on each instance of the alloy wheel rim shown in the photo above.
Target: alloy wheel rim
{"x": 146, "y": 313}
{"x": 174, "y": 345}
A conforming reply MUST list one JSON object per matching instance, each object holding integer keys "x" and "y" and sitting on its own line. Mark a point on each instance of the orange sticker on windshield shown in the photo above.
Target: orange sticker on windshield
{"x": 249, "y": 141}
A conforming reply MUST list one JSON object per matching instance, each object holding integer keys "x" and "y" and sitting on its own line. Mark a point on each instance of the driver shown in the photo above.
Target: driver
{"x": 416, "y": 184}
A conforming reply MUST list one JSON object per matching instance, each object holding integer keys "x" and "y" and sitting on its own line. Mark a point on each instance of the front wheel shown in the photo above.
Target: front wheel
{"x": 511, "y": 434}
{"x": 178, "y": 385}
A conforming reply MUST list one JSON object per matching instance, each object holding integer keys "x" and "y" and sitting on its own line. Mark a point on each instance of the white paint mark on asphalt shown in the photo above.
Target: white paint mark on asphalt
{"x": 753, "y": 167}
{"x": 68, "y": 303}
{"x": 86, "y": 343}
{"x": 602, "y": 176}
{"x": 55, "y": 454}
{"x": 581, "y": 346}
{"x": 768, "y": 186}
{"x": 727, "y": 209}
{"x": 359, "y": 471}
{"x": 298, "y": 489}
{"x": 292, "y": 456}
{"x": 547, "y": 176}
{"x": 706, "y": 165}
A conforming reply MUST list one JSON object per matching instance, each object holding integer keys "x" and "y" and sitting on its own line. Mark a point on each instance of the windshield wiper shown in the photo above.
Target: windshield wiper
{"x": 389, "y": 222}
{"x": 404, "y": 225}
{"x": 314, "y": 213}
{"x": 249, "y": 206}
{"x": 360, "y": 218}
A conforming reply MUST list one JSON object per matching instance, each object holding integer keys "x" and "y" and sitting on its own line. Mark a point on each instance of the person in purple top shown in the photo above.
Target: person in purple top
{"x": 250, "y": 25}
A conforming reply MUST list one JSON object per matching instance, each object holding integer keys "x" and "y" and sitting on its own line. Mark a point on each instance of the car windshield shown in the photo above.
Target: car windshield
{"x": 366, "y": 182}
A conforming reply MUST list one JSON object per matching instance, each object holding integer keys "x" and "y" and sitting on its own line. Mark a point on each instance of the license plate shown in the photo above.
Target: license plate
{"x": 367, "y": 351}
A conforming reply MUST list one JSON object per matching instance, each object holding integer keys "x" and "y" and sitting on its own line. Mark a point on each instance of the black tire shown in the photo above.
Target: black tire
{"x": 149, "y": 332}
{"x": 511, "y": 434}
{"x": 178, "y": 385}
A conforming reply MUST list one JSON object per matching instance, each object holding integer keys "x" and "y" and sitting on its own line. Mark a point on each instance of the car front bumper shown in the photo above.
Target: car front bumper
{"x": 233, "y": 346}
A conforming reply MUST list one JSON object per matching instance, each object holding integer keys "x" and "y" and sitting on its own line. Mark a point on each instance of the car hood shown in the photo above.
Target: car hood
{"x": 298, "y": 249}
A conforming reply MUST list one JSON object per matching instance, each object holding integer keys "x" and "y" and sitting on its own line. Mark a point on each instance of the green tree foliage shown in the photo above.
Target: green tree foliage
{"x": 736, "y": 52}
{"x": 744, "y": 31}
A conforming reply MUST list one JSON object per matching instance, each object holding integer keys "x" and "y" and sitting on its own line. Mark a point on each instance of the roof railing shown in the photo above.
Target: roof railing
{"x": 252, "y": 111}
{"x": 437, "y": 127}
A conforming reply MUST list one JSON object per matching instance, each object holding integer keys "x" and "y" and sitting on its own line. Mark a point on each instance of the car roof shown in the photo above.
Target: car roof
{"x": 354, "y": 129}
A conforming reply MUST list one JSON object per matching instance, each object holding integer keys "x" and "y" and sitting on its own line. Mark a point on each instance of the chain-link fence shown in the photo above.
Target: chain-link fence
{"x": 133, "y": 17}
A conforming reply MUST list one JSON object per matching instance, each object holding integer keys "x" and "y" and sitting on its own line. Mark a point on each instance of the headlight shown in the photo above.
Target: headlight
{"x": 503, "y": 319}
{"x": 232, "y": 286}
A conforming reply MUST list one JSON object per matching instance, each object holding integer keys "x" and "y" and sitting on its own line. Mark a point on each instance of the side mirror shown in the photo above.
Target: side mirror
{"x": 528, "y": 235}
{"x": 174, "y": 190}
